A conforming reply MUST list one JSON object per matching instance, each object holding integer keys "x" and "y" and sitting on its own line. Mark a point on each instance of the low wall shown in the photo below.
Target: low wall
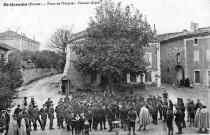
{"x": 33, "y": 74}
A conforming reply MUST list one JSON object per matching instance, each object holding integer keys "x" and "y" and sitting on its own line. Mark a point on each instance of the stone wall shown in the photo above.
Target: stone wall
{"x": 168, "y": 59}
{"x": 33, "y": 74}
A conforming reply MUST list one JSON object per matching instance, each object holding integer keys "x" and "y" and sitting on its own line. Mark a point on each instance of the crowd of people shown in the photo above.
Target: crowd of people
{"x": 84, "y": 112}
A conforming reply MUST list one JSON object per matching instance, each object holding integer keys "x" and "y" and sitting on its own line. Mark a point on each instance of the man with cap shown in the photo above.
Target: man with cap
{"x": 60, "y": 114}
{"x": 144, "y": 118}
{"x": 32, "y": 102}
{"x": 36, "y": 115}
{"x": 66, "y": 99}
{"x": 169, "y": 120}
{"x": 17, "y": 110}
{"x": 198, "y": 104}
{"x": 182, "y": 108}
{"x": 51, "y": 116}
{"x": 131, "y": 119}
{"x": 48, "y": 103}
{"x": 43, "y": 113}
{"x": 165, "y": 107}
{"x": 24, "y": 103}
{"x": 160, "y": 106}
{"x": 31, "y": 115}
{"x": 110, "y": 117}
{"x": 178, "y": 118}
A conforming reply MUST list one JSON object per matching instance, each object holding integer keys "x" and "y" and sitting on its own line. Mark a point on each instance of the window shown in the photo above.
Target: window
{"x": 148, "y": 77}
{"x": 208, "y": 55}
{"x": 196, "y": 41}
{"x": 197, "y": 76}
{"x": 133, "y": 78}
{"x": 178, "y": 58}
{"x": 148, "y": 58}
{"x": 196, "y": 56}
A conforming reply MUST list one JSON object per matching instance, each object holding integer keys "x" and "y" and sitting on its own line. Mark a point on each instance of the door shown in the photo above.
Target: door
{"x": 197, "y": 76}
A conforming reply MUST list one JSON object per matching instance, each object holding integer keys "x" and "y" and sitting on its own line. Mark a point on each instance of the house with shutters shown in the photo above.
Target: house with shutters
{"x": 19, "y": 41}
{"x": 186, "y": 54}
{"x": 73, "y": 80}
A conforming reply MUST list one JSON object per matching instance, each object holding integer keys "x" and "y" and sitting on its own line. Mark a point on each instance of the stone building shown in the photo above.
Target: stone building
{"x": 20, "y": 42}
{"x": 73, "y": 79}
{"x": 5, "y": 50}
{"x": 186, "y": 54}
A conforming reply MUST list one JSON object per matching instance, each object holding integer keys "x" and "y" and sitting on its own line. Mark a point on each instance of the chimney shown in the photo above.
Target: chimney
{"x": 193, "y": 27}
{"x": 154, "y": 32}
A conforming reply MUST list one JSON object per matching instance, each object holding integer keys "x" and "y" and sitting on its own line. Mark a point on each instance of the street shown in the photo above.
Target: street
{"x": 50, "y": 87}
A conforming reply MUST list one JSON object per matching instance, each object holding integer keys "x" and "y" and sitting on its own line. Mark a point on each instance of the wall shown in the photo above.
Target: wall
{"x": 15, "y": 43}
{"x": 32, "y": 74}
{"x": 168, "y": 59}
{"x": 203, "y": 65}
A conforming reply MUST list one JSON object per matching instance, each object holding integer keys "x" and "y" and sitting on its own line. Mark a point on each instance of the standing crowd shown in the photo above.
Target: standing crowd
{"x": 89, "y": 111}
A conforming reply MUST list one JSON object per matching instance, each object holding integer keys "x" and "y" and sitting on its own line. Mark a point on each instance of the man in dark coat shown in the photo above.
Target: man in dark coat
{"x": 60, "y": 115}
{"x": 17, "y": 110}
{"x": 48, "y": 103}
{"x": 131, "y": 120}
{"x": 51, "y": 116}
{"x": 160, "y": 106}
{"x": 165, "y": 107}
{"x": 110, "y": 118}
{"x": 169, "y": 120}
{"x": 31, "y": 116}
{"x": 182, "y": 108}
{"x": 36, "y": 115}
{"x": 178, "y": 120}
{"x": 43, "y": 113}
{"x": 124, "y": 117}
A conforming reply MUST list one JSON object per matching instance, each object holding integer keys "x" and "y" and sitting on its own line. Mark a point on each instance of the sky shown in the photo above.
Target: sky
{"x": 43, "y": 20}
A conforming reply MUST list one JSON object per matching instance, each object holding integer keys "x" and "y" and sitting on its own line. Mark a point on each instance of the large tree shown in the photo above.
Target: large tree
{"x": 59, "y": 39}
{"x": 114, "y": 41}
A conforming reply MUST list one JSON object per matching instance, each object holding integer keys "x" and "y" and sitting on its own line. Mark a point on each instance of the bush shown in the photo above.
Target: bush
{"x": 131, "y": 87}
{"x": 10, "y": 80}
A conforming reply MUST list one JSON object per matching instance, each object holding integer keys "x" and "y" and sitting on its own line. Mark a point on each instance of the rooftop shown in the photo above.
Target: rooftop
{"x": 6, "y": 47}
{"x": 12, "y": 34}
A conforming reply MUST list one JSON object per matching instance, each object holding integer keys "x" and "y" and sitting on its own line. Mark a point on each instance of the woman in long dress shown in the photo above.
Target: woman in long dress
{"x": 13, "y": 127}
{"x": 22, "y": 130}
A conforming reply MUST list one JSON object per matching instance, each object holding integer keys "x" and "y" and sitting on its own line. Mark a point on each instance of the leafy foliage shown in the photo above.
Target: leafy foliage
{"x": 114, "y": 41}
{"x": 10, "y": 80}
{"x": 43, "y": 59}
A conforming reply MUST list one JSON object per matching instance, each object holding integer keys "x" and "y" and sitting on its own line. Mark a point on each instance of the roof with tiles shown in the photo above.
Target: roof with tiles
{"x": 184, "y": 34}
{"x": 6, "y": 47}
{"x": 12, "y": 34}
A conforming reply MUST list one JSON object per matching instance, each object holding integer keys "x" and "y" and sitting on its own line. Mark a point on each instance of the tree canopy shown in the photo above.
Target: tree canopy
{"x": 114, "y": 41}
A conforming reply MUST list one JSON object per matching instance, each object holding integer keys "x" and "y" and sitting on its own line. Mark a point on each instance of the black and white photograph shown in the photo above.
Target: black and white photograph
{"x": 104, "y": 67}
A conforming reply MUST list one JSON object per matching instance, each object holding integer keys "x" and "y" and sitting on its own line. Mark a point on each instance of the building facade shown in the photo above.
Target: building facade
{"x": 19, "y": 42}
{"x": 185, "y": 55}
{"x": 152, "y": 74}
{"x": 5, "y": 50}
{"x": 73, "y": 79}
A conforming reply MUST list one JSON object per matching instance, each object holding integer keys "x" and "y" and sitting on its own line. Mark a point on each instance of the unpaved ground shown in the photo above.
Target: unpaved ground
{"x": 47, "y": 87}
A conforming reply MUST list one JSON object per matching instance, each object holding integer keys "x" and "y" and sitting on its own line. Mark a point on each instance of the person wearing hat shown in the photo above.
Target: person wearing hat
{"x": 169, "y": 120}
{"x": 182, "y": 108}
{"x": 160, "y": 106}
{"x": 32, "y": 102}
{"x": 13, "y": 129}
{"x": 24, "y": 103}
{"x": 60, "y": 114}
{"x": 110, "y": 117}
{"x": 191, "y": 112}
{"x": 51, "y": 116}
{"x": 144, "y": 117}
{"x": 43, "y": 113}
{"x": 202, "y": 119}
{"x": 66, "y": 99}
{"x": 48, "y": 103}
{"x": 187, "y": 105}
{"x": 198, "y": 104}
{"x": 36, "y": 116}
{"x": 178, "y": 118}
{"x": 31, "y": 116}
{"x": 131, "y": 120}
{"x": 17, "y": 110}
{"x": 165, "y": 107}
